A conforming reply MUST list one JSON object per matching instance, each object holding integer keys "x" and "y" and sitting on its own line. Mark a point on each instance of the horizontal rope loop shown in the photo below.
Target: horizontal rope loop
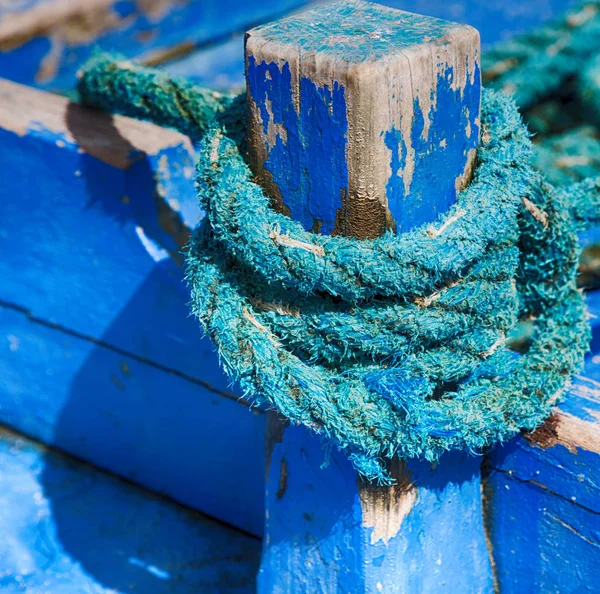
{"x": 398, "y": 345}
{"x": 413, "y": 360}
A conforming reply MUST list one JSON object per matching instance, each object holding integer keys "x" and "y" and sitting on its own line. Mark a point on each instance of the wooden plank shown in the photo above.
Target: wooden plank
{"x": 68, "y": 528}
{"x": 145, "y": 296}
{"x": 43, "y": 43}
{"x": 102, "y": 356}
{"x": 542, "y": 543}
{"x": 147, "y": 425}
{"x": 117, "y": 200}
{"x": 315, "y": 85}
{"x": 326, "y": 531}
{"x": 543, "y": 493}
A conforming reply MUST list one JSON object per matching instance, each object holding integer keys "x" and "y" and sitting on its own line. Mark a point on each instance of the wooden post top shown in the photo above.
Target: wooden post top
{"x": 363, "y": 118}
{"x": 355, "y": 32}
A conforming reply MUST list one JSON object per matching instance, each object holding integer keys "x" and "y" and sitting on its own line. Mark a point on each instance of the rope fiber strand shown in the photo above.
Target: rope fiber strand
{"x": 399, "y": 345}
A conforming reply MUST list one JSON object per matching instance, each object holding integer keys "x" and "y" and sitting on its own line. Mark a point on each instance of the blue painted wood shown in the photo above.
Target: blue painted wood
{"x": 99, "y": 354}
{"x": 43, "y": 43}
{"x": 326, "y": 530}
{"x": 116, "y": 199}
{"x": 25, "y": 399}
{"x": 68, "y": 528}
{"x": 542, "y": 543}
{"x": 543, "y": 493}
{"x": 142, "y": 423}
{"x": 311, "y": 79}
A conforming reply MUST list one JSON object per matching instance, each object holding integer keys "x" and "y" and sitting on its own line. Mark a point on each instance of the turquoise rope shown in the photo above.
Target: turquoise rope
{"x": 554, "y": 72}
{"x": 537, "y": 64}
{"x": 455, "y": 385}
{"x": 393, "y": 346}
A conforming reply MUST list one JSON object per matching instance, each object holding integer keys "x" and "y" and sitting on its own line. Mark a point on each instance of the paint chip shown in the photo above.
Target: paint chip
{"x": 157, "y": 253}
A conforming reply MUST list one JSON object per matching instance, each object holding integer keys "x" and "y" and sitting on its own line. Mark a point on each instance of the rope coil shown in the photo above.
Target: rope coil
{"x": 396, "y": 345}
{"x": 393, "y": 346}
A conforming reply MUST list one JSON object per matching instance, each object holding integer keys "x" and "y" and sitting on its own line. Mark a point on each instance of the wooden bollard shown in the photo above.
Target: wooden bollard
{"x": 364, "y": 119}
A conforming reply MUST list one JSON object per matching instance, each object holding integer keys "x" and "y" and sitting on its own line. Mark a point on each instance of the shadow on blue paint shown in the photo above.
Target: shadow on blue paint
{"x": 121, "y": 539}
{"x": 149, "y": 424}
{"x": 142, "y": 184}
{"x": 164, "y": 432}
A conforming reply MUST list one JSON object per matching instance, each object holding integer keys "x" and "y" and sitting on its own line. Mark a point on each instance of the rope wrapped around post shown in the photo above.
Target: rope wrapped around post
{"x": 398, "y": 345}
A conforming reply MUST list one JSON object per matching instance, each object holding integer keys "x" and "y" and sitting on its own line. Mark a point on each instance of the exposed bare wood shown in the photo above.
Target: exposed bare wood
{"x": 568, "y": 430}
{"x": 23, "y": 109}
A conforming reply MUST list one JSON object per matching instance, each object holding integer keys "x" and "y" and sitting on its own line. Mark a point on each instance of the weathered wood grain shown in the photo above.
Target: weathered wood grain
{"x": 99, "y": 353}
{"x": 316, "y": 83}
{"x": 21, "y": 23}
{"x": 68, "y": 528}
{"x": 363, "y": 118}
{"x": 24, "y": 111}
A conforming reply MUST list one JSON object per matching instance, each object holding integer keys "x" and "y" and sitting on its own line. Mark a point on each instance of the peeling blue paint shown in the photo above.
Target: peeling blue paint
{"x": 308, "y": 160}
{"x": 321, "y": 523}
{"x": 440, "y": 155}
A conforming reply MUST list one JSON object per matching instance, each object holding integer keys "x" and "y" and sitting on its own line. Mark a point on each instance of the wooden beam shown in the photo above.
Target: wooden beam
{"x": 364, "y": 119}
{"x": 44, "y": 42}
{"x": 403, "y": 94}
{"x": 99, "y": 355}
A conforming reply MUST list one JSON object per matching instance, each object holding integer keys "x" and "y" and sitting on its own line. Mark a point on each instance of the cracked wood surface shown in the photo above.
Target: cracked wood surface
{"x": 327, "y": 531}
